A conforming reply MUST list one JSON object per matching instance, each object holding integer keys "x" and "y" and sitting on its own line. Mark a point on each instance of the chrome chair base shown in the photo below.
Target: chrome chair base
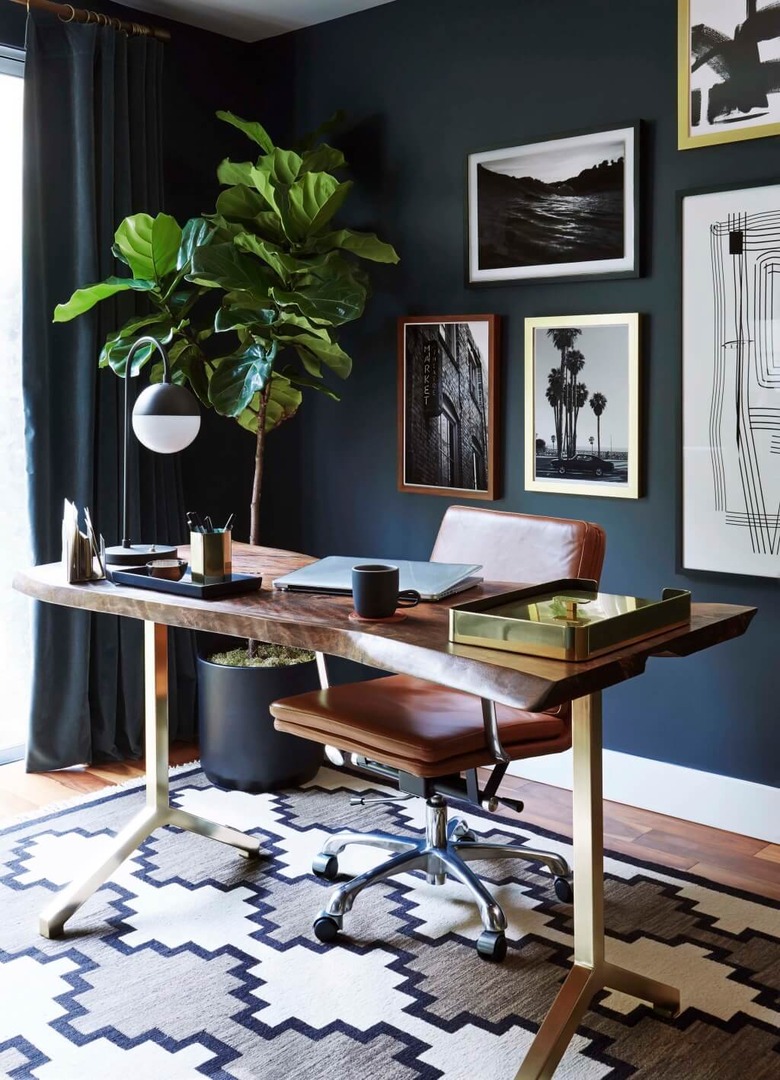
{"x": 445, "y": 850}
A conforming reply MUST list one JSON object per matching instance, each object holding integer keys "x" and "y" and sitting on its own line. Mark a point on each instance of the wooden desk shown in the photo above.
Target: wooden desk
{"x": 418, "y": 646}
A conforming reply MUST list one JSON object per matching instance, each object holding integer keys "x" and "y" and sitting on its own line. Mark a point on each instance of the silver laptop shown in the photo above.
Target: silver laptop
{"x": 432, "y": 580}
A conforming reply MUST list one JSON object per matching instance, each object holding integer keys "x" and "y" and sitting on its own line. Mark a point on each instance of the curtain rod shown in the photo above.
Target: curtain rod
{"x": 68, "y": 13}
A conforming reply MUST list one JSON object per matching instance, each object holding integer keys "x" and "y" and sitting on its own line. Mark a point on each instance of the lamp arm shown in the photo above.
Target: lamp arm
{"x": 166, "y": 379}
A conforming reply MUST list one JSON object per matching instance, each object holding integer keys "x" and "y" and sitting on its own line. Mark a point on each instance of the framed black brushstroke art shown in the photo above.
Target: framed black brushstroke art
{"x": 560, "y": 209}
{"x": 731, "y": 380}
{"x": 729, "y": 71}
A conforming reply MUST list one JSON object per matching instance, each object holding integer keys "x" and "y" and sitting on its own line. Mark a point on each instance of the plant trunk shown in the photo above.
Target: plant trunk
{"x": 257, "y": 486}
{"x": 257, "y": 482}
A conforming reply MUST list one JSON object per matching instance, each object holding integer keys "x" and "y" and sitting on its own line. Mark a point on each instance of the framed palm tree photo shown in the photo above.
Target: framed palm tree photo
{"x": 562, "y": 209}
{"x": 728, "y": 71}
{"x": 582, "y": 405}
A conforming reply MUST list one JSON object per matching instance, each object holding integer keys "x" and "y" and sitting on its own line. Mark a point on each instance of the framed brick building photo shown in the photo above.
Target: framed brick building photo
{"x": 447, "y": 408}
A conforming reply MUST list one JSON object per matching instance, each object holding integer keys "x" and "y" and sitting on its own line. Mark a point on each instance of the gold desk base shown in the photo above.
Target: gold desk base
{"x": 590, "y": 972}
{"x": 158, "y": 810}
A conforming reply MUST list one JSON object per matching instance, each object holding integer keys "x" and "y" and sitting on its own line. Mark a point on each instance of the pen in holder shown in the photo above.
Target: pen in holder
{"x": 211, "y": 558}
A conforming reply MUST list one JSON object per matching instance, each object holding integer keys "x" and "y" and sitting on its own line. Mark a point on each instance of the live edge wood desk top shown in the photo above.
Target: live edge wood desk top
{"x": 417, "y": 646}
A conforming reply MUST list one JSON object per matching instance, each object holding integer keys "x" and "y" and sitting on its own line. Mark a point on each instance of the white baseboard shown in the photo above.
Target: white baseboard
{"x": 738, "y": 806}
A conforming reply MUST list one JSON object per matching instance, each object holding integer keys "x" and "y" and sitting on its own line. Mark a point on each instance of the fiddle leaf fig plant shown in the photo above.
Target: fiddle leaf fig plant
{"x": 282, "y": 278}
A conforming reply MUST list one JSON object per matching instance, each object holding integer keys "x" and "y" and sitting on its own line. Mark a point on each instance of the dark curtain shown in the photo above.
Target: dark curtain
{"x": 93, "y": 154}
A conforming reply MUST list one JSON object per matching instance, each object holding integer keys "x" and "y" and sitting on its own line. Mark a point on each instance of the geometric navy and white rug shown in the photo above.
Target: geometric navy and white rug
{"x": 194, "y": 962}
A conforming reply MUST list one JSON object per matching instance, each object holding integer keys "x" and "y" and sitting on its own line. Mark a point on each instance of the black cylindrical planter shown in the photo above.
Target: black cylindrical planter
{"x": 239, "y": 747}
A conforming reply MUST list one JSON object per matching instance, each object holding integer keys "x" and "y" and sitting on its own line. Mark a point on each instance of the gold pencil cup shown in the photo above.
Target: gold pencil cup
{"x": 211, "y": 558}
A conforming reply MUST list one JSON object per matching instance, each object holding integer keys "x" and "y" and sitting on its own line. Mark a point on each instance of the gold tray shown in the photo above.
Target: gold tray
{"x": 566, "y": 620}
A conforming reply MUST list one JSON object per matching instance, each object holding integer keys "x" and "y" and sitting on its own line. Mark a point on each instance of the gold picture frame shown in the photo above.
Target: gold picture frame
{"x": 582, "y": 386}
{"x": 722, "y": 109}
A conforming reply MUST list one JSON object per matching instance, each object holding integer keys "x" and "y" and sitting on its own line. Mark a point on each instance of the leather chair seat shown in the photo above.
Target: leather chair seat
{"x": 417, "y": 726}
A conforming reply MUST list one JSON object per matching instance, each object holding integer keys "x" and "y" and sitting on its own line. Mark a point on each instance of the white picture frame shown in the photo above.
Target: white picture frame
{"x": 731, "y": 380}
{"x": 561, "y": 209}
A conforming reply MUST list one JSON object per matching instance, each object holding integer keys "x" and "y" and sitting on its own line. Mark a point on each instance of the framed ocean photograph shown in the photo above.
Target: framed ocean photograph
{"x": 731, "y": 380}
{"x": 729, "y": 71}
{"x": 564, "y": 208}
{"x": 447, "y": 405}
{"x": 582, "y": 405}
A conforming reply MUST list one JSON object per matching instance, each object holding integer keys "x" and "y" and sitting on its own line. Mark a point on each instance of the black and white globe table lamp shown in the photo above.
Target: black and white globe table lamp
{"x": 166, "y": 419}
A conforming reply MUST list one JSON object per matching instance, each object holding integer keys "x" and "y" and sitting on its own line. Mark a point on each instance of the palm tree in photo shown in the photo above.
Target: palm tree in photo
{"x": 562, "y": 338}
{"x": 580, "y": 397}
{"x": 598, "y": 403}
{"x": 575, "y": 362}
{"x": 554, "y": 395}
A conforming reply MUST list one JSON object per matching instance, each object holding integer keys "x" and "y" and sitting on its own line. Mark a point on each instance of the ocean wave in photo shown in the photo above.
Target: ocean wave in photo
{"x": 526, "y": 223}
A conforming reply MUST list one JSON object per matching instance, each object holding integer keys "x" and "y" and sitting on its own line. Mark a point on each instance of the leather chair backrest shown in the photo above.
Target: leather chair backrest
{"x": 520, "y": 547}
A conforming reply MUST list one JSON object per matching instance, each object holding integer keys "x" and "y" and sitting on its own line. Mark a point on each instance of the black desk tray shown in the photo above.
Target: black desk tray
{"x": 139, "y": 576}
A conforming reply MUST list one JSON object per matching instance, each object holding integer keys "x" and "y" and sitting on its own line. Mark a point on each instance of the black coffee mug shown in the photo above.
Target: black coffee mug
{"x": 375, "y": 591}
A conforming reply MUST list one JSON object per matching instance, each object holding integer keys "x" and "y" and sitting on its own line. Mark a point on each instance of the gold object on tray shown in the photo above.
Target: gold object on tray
{"x": 565, "y": 620}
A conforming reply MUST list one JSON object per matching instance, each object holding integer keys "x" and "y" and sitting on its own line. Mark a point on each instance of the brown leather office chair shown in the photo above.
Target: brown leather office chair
{"x": 429, "y": 735}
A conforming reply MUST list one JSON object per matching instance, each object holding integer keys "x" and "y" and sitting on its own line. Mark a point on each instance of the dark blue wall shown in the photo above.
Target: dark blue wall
{"x": 425, "y": 83}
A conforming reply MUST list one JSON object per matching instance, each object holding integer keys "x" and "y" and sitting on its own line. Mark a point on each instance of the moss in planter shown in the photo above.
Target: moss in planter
{"x": 266, "y": 656}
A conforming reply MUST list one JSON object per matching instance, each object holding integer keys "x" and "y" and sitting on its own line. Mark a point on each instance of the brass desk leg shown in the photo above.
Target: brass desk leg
{"x": 590, "y": 972}
{"x": 157, "y": 811}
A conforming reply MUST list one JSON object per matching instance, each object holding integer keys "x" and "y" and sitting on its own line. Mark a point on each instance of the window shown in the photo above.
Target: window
{"x": 448, "y": 444}
{"x": 478, "y": 464}
{"x": 15, "y": 636}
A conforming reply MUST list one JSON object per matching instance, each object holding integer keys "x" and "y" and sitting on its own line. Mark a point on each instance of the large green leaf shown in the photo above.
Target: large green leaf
{"x": 327, "y": 351}
{"x": 263, "y": 182}
{"x": 233, "y": 317}
{"x": 291, "y": 325}
{"x": 239, "y": 377}
{"x": 188, "y": 364}
{"x": 366, "y": 245}
{"x": 149, "y": 244}
{"x": 283, "y": 265}
{"x": 224, "y": 266}
{"x": 86, "y": 298}
{"x": 314, "y": 199}
{"x": 234, "y": 172}
{"x": 283, "y": 165}
{"x": 157, "y": 325}
{"x": 116, "y": 349}
{"x": 323, "y": 159}
{"x": 196, "y": 233}
{"x": 283, "y": 402}
{"x": 183, "y": 298}
{"x": 240, "y": 202}
{"x": 255, "y": 131}
{"x": 331, "y": 294}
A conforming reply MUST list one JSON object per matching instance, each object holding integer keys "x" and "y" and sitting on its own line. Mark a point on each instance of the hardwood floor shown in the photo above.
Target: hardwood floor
{"x": 738, "y": 861}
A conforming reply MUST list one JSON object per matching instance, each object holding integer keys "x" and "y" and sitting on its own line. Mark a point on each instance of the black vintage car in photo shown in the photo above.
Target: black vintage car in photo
{"x": 582, "y": 463}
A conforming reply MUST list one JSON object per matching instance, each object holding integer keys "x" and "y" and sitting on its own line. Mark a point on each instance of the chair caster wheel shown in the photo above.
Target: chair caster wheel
{"x": 564, "y": 890}
{"x": 491, "y": 945}
{"x": 467, "y": 835}
{"x": 325, "y": 866}
{"x": 326, "y": 927}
